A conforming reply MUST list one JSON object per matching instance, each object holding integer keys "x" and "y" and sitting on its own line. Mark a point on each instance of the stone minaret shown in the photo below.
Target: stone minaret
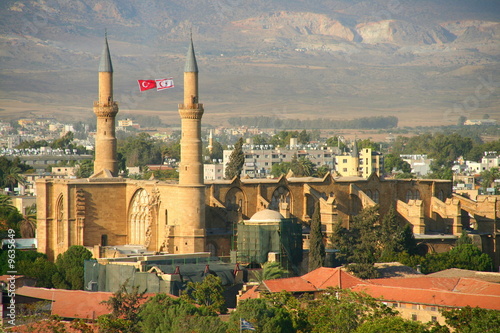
{"x": 105, "y": 109}
{"x": 191, "y": 236}
{"x": 210, "y": 142}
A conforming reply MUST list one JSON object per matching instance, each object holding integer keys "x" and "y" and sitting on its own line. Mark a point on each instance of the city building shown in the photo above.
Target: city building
{"x": 259, "y": 159}
{"x": 198, "y": 215}
{"x": 415, "y": 298}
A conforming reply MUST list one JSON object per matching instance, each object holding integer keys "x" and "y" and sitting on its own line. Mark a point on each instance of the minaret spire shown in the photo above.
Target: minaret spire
{"x": 105, "y": 109}
{"x": 191, "y": 183}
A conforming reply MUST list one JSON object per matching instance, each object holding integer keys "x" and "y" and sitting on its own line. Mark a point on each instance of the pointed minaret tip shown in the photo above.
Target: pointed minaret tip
{"x": 191, "y": 65}
{"x": 105, "y": 65}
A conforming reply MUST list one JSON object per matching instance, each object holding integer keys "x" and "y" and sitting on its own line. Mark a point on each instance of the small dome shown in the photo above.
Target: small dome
{"x": 266, "y": 215}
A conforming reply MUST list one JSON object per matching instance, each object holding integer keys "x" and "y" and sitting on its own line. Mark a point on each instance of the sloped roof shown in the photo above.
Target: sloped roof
{"x": 71, "y": 303}
{"x": 459, "y": 285}
{"x": 289, "y": 284}
{"x": 325, "y": 277}
{"x": 429, "y": 296}
{"x": 457, "y": 272}
{"x": 105, "y": 65}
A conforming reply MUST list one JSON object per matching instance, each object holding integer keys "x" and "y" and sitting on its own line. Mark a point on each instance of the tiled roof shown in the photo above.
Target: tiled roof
{"x": 293, "y": 285}
{"x": 71, "y": 303}
{"x": 250, "y": 294}
{"x": 456, "y": 272}
{"x": 444, "y": 292}
{"x": 325, "y": 277}
{"x": 462, "y": 285}
{"x": 429, "y": 297}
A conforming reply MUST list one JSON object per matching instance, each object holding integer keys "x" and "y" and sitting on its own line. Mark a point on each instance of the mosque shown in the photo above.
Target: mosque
{"x": 106, "y": 212}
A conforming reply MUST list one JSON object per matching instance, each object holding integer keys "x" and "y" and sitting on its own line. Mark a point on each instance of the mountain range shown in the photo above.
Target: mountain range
{"x": 425, "y": 61}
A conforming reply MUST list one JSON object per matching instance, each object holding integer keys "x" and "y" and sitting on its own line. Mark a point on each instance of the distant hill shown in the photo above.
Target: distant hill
{"x": 296, "y": 59}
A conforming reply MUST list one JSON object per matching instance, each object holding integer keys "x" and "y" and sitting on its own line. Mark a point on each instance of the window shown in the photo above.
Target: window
{"x": 414, "y": 317}
{"x": 434, "y": 319}
{"x": 409, "y": 196}
{"x": 394, "y": 305}
{"x": 344, "y": 170}
{"x": 344, "y": 160}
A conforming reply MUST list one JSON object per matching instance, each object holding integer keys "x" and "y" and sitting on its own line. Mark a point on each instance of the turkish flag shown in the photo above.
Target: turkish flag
{"x": 164, "y": 84}
{"x": 146, "y": 84}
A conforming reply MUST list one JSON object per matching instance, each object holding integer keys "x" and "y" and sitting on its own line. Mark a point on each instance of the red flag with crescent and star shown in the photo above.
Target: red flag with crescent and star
{"x": 146, "y": 84}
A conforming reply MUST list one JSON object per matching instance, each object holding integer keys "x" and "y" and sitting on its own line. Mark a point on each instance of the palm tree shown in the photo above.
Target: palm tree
{"x": 27, "y": 225}
{"x": 6, "y": 203}
{"x": 13, "y": 177}
{"x": 270, "y": 270}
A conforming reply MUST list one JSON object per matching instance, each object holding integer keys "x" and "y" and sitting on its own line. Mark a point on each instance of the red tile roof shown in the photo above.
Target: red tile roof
{"x": 462, "y": 285}
{"x": 293, "y": 285}
{"x": 325, "y": 277}
{"x": 429, "y": 297}
{"x": 250, "y": 294}
{"x": 71, "y": 303}
{"x": 446, "y": 292}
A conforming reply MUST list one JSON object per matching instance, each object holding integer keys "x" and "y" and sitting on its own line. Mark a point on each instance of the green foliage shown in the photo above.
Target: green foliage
{"x": 279, "y": 169}
{"x": 270, "y": 270}
{"x": 161, "y": 174}
{"x": 69, "y": 274}
{"x": 464, "y": 239}
{"x": 472, "y": 320}
{"x": 124, "y": 306}
{"x": 236, "y": 161}
{"x": 316, "y": 123}
{"x": 489, "y": 176}
{"x": 335, "y": 141}
{"x": 302, "y": 167}
{"x": 264, "y": 314}
{"x": 141, "y": 150}
{"x": 162, "y": 313}
{"x": 316, "y": 244}
{"x": 217, "y": 152}
{"x": 341, "y": 310}
{"x": 85, "y": 169}
{"x": 391, "y": 324}
{"x": 464, "y": 256}
{"x": 208, "y": 293}
{"x": 40, "y": 269}
{"x": 394, "y": 162}
{"x": 9, "y": 217}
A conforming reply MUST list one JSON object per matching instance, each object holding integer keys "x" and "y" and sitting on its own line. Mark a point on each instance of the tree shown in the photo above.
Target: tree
{"x": 394, "y": 162}
{"x": 391, "y": 324}
{"x": 85, "y": 169}
{"x": 236, "y": 161}
{"x": 124, "y": 306}
{"x": 27, "y": 225}
{"x": 13, "y": 177}
{"x": 279, "y": 169}
{"x": 264, "y": 314}
{"x": 472, "y": 320}
{"x": 316, "y": 244}
{"x": 489, "y": 176}
{"x": 270, "y": 270}
{"x": 40, "y": 269}
{"x": 9, "y": 217}
{"x": 208, "y": 293}
{"x": 69, "y": 266}
{"x": 162, "y": 313}
{"x": 366, "y": 247}
{"x": 464, "y": 239}
{"x": 341, "y": 310}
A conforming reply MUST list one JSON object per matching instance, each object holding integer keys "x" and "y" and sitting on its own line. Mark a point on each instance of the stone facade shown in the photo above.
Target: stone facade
{"x": 195, "y": 216}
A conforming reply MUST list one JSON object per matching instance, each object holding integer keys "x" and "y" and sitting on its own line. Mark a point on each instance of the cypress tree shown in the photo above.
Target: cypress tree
{"x": 236, "y": 161}
{"x": 316, "y": 245}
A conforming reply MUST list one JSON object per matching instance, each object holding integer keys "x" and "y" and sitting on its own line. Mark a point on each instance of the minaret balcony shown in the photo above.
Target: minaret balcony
{"x": 192, "y": 106}
{"x": 107, "y": 109}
